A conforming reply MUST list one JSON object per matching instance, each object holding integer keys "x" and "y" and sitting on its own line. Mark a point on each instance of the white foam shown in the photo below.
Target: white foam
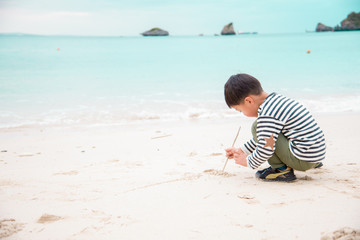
{"x": 145, "y": 111}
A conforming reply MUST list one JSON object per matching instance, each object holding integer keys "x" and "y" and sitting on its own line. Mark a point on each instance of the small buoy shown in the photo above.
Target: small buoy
{"x": 58, "y": 49}
{"x": 308, "y": 51}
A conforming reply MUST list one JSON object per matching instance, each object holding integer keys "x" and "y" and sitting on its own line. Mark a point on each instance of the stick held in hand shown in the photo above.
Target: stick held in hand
{"x": 232, "y": 146}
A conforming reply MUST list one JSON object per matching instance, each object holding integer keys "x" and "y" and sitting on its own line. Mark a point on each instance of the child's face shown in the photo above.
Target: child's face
{"x": 248, "y": 108}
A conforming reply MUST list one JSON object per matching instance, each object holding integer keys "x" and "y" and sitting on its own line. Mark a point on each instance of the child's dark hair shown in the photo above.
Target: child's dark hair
{"x": 239, "y": 86}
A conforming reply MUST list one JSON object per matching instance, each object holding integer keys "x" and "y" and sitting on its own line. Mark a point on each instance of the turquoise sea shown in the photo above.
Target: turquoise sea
{"x": 52, "y": 80}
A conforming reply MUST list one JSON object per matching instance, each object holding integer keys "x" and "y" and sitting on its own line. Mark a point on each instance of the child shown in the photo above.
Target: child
{"x": 285, "y": 133}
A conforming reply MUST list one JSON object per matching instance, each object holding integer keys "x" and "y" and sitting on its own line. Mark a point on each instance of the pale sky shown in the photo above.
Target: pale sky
{"x": 179, "y": 17}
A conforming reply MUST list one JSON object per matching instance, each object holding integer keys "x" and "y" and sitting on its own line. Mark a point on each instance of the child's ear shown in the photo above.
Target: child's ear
{"x": 249, "y": 99}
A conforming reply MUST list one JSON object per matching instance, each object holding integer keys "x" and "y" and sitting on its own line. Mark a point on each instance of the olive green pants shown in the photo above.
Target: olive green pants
{"x": 283, "y": 155}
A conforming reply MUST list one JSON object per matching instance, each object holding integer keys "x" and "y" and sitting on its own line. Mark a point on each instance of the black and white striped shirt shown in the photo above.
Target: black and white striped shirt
{"x": 279, "y": 114}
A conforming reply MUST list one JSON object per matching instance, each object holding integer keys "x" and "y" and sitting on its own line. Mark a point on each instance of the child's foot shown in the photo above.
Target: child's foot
{"x": 274, "y": 174}
{"x": 319, "y": 165}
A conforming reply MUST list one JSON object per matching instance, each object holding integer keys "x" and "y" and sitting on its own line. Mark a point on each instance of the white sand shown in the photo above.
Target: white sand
{"x": 161, "y": 181}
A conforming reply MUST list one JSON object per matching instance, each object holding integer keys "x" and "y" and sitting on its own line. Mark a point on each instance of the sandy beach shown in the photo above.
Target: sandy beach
{"x": 163, "y": 181}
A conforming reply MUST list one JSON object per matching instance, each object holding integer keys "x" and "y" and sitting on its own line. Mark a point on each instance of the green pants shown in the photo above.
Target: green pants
{"x": 283, "y": 155}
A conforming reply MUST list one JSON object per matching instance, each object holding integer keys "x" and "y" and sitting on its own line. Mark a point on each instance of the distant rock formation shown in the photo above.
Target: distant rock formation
{"x": 228, "y": 29}
{"x": 351, "y": 23}
{"x": 156, "y": 32}
{"x": 323, "y": 28}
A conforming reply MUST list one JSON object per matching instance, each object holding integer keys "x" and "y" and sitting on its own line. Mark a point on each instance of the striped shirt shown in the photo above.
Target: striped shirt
{"x": 279, "y": 114}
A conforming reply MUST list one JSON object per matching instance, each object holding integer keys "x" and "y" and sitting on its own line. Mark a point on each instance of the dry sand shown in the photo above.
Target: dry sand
{"x": 164, "y": 181}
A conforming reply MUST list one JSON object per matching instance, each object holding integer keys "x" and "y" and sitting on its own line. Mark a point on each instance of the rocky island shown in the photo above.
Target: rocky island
{"x": 228, "y": 29}
{"x": 323, "y": 28}
{"x": 155, "y": 32}
{"x": 351, "y": 23}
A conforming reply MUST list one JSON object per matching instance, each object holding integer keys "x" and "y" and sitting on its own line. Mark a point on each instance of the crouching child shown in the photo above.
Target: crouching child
{"x": 285, "y": 134}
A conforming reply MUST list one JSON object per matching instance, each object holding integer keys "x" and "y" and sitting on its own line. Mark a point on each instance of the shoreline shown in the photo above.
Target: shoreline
{"x": 231, "y": 115}
{"x": 113, "y": 111}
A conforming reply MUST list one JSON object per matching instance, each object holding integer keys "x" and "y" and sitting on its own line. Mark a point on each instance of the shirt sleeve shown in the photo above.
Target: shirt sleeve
{"x": 267, "y": 131}
{"x": 249, "y": 146}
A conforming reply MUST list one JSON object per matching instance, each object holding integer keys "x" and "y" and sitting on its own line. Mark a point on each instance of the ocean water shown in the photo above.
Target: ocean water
{"x": 57, "y": 80}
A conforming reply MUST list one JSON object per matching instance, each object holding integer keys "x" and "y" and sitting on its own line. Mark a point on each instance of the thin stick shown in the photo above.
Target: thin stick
{"x": 161, "y": 136}
{"x": 232, "y": 146}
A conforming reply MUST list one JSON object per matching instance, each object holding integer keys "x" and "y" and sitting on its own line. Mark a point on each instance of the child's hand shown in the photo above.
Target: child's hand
{"x": 240, "y": 158}
{"x": 238, "y": 155}
{"x": 231, "y": 151}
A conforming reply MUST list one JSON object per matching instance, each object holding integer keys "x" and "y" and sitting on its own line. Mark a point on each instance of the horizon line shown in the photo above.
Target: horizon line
{"x": 170, "y": 35}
